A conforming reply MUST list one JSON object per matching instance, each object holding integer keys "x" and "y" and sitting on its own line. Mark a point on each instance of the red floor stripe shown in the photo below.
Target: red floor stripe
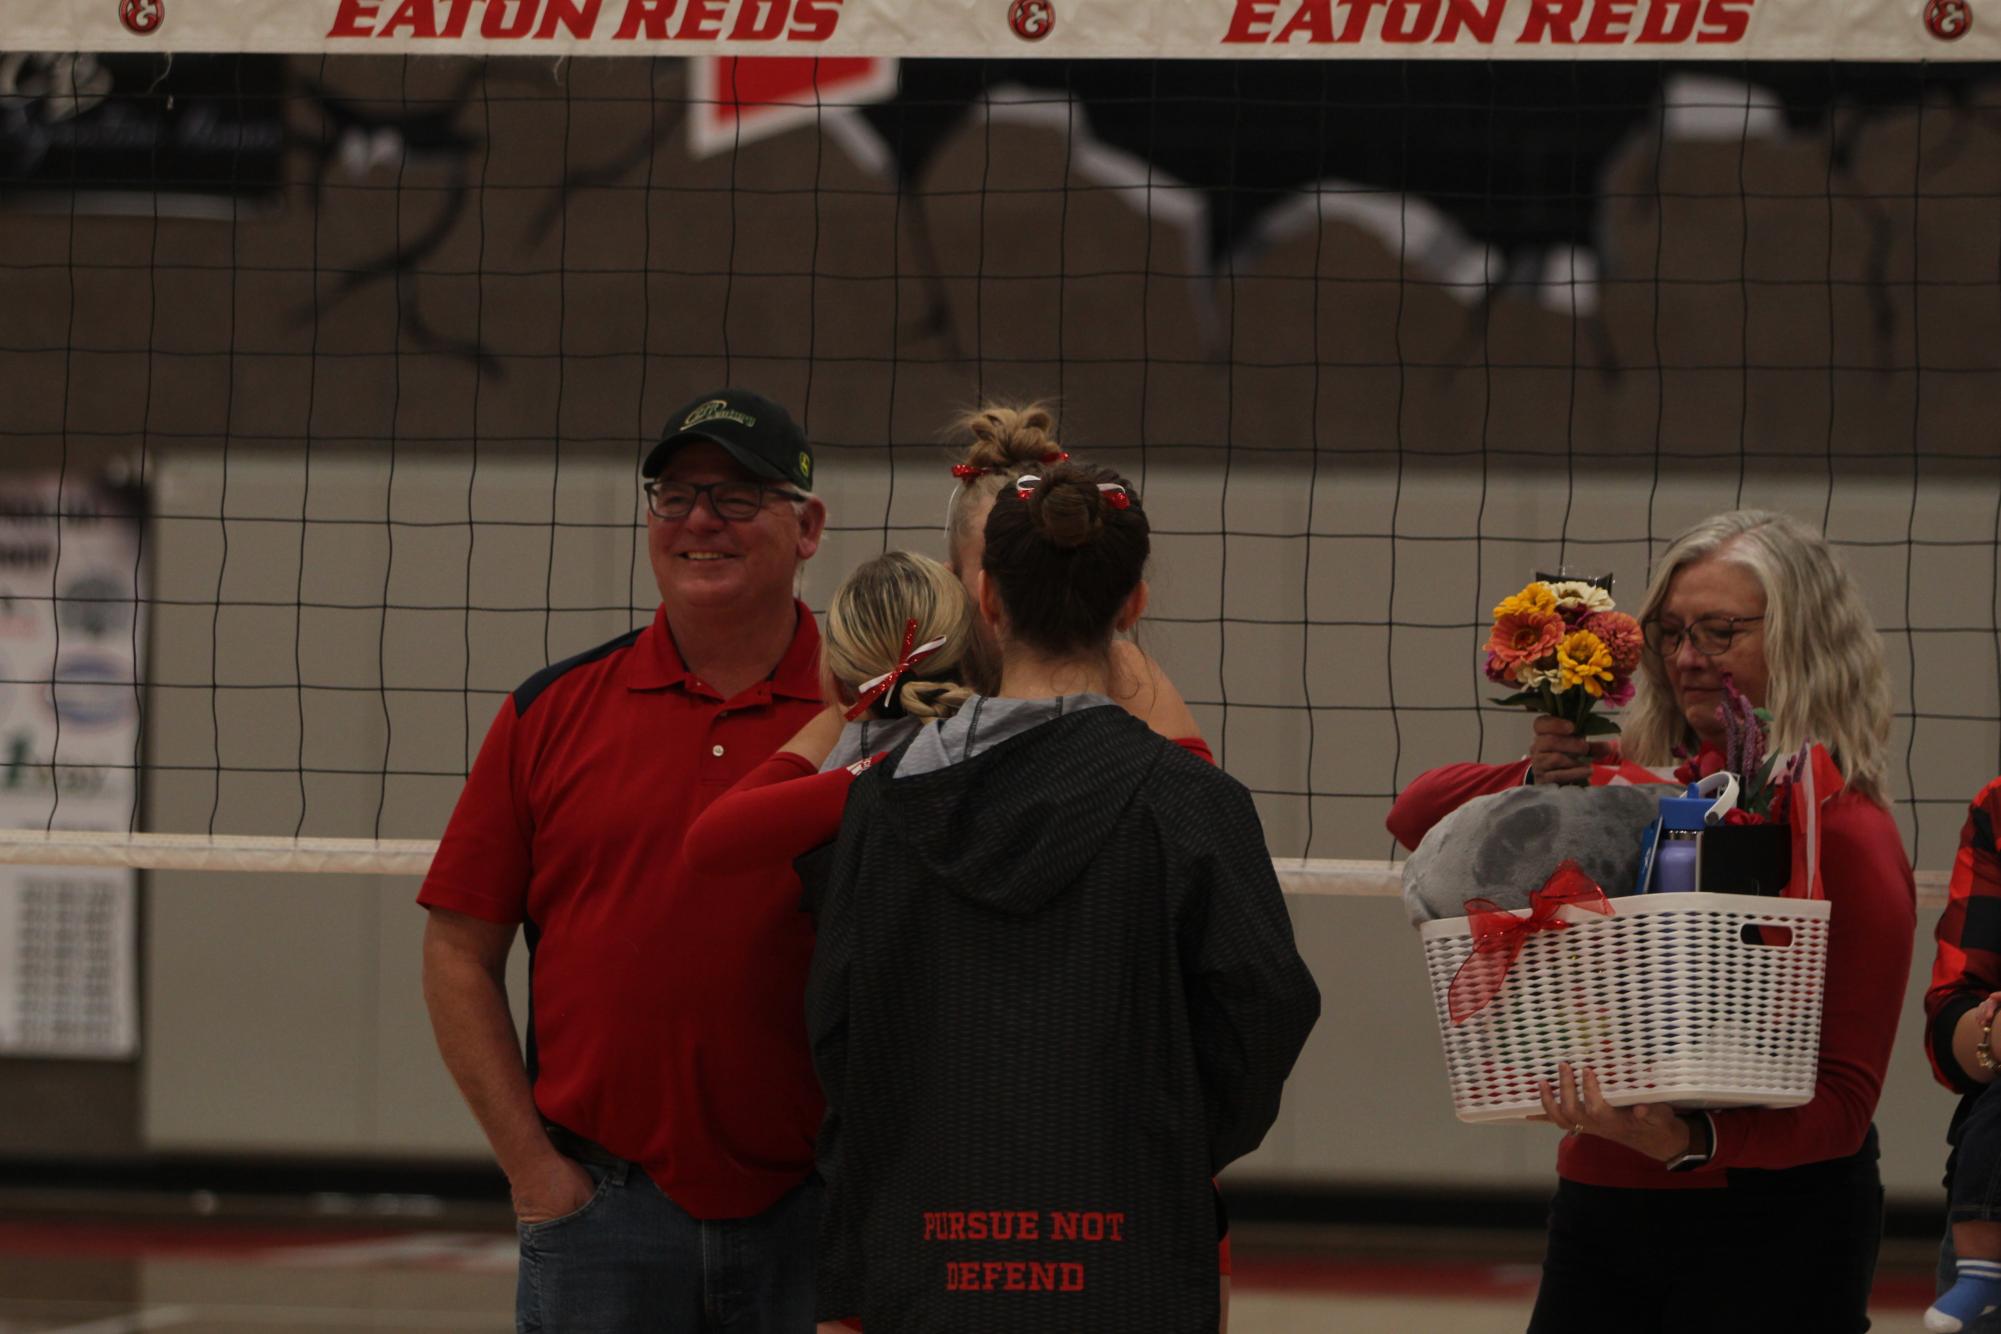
{"x": 1318, "y": 1273}
{"x": 1901, "y": 1290}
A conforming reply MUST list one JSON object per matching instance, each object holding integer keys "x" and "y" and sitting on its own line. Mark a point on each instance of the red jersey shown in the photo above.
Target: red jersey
{"x": 666, "y": 1007}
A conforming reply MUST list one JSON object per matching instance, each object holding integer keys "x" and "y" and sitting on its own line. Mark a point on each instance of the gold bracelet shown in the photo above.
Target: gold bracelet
{"x": 1983, "y": 1050}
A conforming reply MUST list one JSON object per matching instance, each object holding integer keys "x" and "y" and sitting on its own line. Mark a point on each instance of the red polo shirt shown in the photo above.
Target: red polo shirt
{"x": 666, "y": 1008}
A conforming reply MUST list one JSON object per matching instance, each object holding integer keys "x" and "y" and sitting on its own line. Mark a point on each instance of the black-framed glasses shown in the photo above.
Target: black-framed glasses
{"x": 1711, "y": 635}
{"x": 734, "y": 502}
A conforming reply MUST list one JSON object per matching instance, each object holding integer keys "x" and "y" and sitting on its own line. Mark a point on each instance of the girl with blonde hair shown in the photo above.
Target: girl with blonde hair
{"x": 900, "y": 650}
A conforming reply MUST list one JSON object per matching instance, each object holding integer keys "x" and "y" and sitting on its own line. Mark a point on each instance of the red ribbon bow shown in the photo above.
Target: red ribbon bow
{"x": 1114, "y": 494}
{"x": 1498, "y": 936}
{"x": 966, "y": 472}
{"x": 876, "y": 687}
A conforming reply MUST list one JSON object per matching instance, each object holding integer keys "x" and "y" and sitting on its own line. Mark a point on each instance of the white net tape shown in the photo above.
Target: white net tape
{"x": 1322, "y": 876}
{"x": 202, "y": 852}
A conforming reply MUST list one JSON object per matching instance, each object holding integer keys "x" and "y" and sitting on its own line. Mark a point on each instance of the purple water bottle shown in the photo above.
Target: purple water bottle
{"x": 1681, "y": 825}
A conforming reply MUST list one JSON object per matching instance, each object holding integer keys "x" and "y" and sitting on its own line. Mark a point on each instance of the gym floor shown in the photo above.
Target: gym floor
{"x": 412, "y": 1263}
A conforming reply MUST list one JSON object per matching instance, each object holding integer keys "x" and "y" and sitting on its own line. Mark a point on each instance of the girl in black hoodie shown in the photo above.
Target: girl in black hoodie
{"x": 1055, "y": 988}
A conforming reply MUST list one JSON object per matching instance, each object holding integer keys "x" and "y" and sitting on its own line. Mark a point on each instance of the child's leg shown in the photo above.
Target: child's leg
{"x": 1977, "y": 1286}
{"x": 1977, "y": 1239}
{"x": 1976, "y": 1228}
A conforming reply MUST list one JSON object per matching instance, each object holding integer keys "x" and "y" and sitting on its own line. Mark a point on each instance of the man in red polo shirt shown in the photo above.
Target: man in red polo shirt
{"x": 658, "y": 1137}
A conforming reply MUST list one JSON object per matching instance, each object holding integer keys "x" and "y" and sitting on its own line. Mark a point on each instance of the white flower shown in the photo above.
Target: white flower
{"x": 1577, "y": 593}
{"x": 1532, "y": 677}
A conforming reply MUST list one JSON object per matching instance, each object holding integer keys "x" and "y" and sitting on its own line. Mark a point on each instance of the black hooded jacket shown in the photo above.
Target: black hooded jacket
{"x": 1054, "y": 991}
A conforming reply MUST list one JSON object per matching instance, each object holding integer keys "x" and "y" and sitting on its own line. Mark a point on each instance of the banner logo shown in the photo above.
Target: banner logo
{"x": 1031, "y": 19}
{"x": 1948, "y": 20}
{"x": 142, "y": 16}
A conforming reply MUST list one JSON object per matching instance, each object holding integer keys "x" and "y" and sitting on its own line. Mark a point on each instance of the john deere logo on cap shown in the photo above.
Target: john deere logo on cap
{"x": 714, "y": 408}
{"x": 805, "y": 464}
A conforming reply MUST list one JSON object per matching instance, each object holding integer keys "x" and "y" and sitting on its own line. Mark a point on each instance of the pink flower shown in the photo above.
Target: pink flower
{"x": 1522, "y": 636}
{"x": 1620, "y": 693}
{"x": 1621, "y": 634}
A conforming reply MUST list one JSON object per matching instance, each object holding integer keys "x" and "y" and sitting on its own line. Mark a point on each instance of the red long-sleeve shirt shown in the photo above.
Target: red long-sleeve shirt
{"x": 1868, "y": 880}
{"x": 783, "y": 809}
{"x": 1434, "y": 793}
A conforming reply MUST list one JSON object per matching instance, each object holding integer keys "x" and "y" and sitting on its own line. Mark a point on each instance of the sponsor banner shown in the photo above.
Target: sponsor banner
{"x": 191, "y": 136}
{"x": 1402, "y": 29}
{"x": 71, "y": 627}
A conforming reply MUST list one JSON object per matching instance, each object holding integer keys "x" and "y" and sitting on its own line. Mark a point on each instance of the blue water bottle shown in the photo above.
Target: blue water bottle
{"x": 1681, "y": 825}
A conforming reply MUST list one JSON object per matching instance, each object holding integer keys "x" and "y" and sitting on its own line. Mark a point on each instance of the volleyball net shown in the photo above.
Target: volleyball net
{"x": 337, "y": 329}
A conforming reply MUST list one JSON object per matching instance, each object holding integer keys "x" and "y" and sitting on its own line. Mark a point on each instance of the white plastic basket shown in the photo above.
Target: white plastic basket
{"x": 1676, "y": 998}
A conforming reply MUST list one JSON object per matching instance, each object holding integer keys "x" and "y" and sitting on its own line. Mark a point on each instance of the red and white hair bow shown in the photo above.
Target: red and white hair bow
{"x": 1114, "y": 494}
{"x": 876, "y": 687}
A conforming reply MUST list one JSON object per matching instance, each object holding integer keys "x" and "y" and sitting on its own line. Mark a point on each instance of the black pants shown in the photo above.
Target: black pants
{"x": 1792, "y": 1250}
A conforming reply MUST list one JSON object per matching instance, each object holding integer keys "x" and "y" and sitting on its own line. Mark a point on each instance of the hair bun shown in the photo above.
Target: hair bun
{"x": 1067, "y": 510}
{"x": 1005, "y": 438}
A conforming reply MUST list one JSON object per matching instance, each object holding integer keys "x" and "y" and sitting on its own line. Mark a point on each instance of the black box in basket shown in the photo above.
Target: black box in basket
{"x": 1744, "y": 859}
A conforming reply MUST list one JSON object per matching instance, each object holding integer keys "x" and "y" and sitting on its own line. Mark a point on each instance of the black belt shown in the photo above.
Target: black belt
{"x": 572, "y": 1145}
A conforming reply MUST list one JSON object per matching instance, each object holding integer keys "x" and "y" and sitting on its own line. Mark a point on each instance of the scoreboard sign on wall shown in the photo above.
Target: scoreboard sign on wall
{"x": 71, "y": 630}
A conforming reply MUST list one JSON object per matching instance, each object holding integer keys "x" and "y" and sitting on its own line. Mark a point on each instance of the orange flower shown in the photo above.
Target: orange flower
{"x": 1522, "y": 635}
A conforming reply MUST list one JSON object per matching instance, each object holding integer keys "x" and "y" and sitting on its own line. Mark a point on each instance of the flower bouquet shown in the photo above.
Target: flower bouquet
{"x": 1565, "y": 648}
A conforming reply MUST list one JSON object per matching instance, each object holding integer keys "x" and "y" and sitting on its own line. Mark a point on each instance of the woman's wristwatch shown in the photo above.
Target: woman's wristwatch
{"x": 1983, "y": 1050}
{"x": 1701, "y": 1144}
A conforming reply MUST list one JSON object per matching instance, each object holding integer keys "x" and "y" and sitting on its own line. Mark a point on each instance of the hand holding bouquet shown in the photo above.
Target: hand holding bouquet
{"x": 1565, "y": 649}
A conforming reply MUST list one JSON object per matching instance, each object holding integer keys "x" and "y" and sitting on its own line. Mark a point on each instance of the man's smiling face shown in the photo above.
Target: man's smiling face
{"x": 705, "y": 561}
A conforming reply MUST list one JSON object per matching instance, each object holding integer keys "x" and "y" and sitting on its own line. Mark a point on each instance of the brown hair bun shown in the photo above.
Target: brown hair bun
{"x": 1064, "y": 556}
{"x": 1068, "y": 511}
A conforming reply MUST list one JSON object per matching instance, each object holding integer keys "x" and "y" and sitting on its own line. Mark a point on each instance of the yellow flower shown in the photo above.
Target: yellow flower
{"x": 1584, "y": 660}
{"x": 1538, "y": 597}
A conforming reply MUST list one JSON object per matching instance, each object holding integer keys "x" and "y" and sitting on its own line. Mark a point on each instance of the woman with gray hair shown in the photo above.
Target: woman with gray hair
{"x": 1752, "y": 1218}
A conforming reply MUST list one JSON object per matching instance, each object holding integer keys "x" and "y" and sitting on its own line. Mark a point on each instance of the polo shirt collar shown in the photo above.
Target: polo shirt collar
{"x": 656, "y": 663}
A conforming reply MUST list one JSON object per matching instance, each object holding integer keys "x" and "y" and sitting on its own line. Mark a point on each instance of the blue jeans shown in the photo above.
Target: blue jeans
{"x": 631, "y": 1259}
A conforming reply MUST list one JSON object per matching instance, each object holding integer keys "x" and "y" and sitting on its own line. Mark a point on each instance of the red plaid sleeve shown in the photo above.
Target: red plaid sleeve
{"x": 1967, "y": 966}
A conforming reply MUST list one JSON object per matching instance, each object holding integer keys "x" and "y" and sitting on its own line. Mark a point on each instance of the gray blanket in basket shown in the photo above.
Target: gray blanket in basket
{"x": 1503, "y": 847}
